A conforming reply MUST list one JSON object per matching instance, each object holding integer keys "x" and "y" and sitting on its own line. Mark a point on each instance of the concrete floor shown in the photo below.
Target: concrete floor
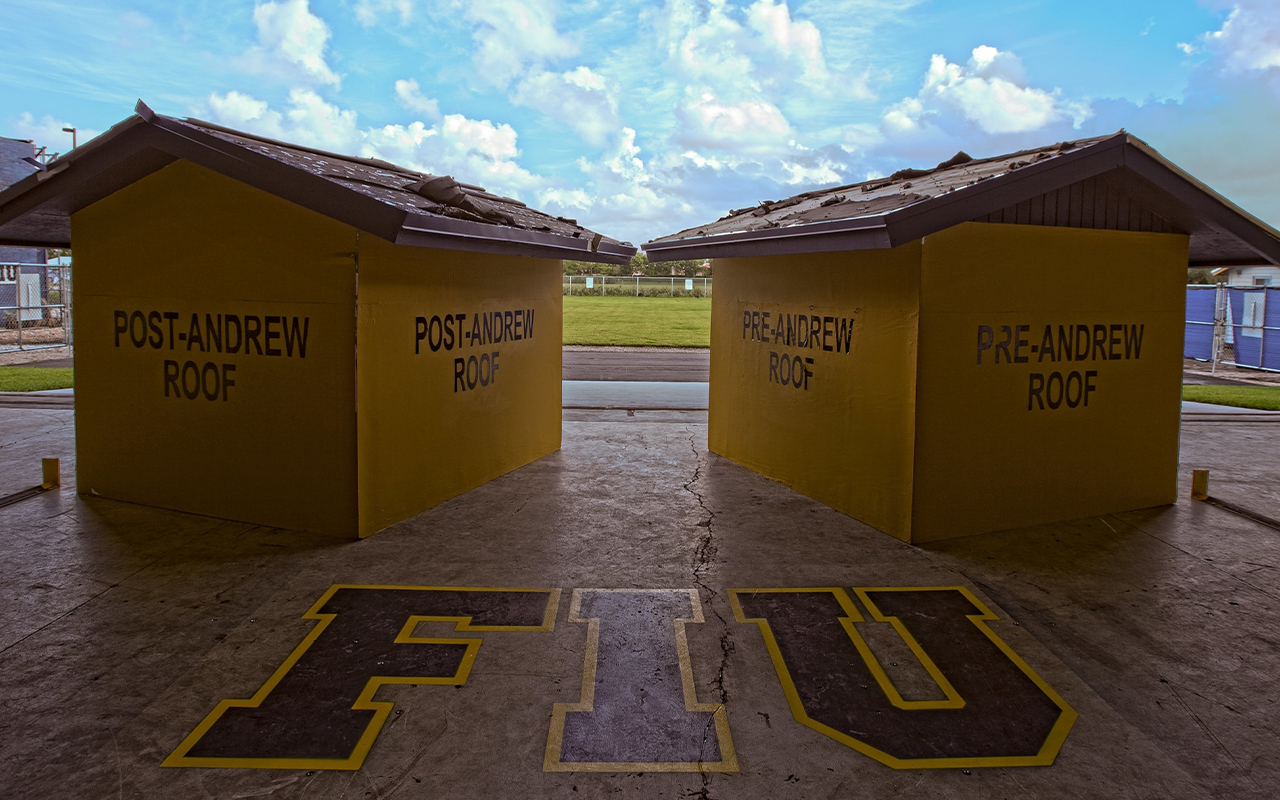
{"x": 123, "y": 626}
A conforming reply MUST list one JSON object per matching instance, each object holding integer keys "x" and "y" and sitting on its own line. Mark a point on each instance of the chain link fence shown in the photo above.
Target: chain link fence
{"x": 1234, "y": 325}
{"x": 634, "y": 286}
{"x": 35, "y": 306}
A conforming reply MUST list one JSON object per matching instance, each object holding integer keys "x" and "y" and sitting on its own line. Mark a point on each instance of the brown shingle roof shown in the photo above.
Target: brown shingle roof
{"x": 1123, "y": 184}
{"x": 396, "y": 203}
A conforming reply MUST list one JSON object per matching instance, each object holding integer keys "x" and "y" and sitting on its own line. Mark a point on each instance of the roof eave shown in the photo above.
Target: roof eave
{"x": 422, "y": 230}
{"x": 862, "y": 233}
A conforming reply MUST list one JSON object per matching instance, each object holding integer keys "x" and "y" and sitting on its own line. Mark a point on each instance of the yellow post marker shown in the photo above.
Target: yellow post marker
{"x": 51, "y": 473}
{"x": 1200, "y": 484}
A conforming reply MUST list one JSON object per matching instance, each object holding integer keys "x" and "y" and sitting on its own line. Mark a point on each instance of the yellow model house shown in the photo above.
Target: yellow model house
{"x": 280, "y": 335}
{"x": 984, "y": 345}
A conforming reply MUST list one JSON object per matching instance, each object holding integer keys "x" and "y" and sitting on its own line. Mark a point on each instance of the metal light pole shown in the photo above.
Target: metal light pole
{"x": 71, "y": 131}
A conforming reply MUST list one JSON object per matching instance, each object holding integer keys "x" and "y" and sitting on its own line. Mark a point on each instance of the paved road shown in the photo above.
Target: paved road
{"x": 637, "y": 365}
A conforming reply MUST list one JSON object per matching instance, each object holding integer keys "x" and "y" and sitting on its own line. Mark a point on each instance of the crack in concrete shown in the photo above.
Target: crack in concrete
{"x": 704, "y": 554}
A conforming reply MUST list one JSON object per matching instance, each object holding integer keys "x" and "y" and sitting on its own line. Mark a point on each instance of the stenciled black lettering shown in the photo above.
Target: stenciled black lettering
{"x": 1133, "y": 340}
{"x": 228, "y": 321}
{"x": 192, "y": 369}
{"x": 1088, "y": 384}
{"x": 1072, "y": 402}
{"x": 194, "y": 334}
{"x": 448, "y": 332}
{"x": 227, "y": 381}
{"x": 1035, "y": 392}
{"x": 1019, "y": 342}
{"x": 985, "y": 338}
{"x": 1082, "y": 343}
{"x": 172, "y": 316}
{"x": 1113, "y": 341}
{"x": 773, "y": 367}
{"x": 1099, "y": 343}
{"x": 435, "y": 333}
{"x": 138, "y": 323}
{"x": 1003, "y": 347}
{"x": 1055, "y": 377}
{"x": 459, "y": 375}
{"x": 171, "y": 378}
{"x": 1046, "y": 345}
{"x": 292, "y": 336}
{"x": 156, "y": 339}
{"x": 213, "y": 333}
{"x": 206, "y": 384}
{"x": 252, "y": 330}
{"x": 122, "y": 324}
{"x": 269, "y": 334}
{"x": 419, "y": 333}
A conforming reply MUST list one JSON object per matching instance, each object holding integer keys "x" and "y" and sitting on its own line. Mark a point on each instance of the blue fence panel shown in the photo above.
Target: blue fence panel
{"x": 1198, "y": 340}
{"x": 1247, "y": 341}
{"x": 1271, "y": 338}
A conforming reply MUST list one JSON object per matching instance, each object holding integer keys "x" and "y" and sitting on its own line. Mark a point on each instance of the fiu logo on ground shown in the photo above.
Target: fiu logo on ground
{"x": 639, "y": 710}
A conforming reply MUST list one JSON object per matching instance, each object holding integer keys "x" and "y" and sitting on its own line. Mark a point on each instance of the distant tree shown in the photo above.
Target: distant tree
{"x": 1199, "y": 276}
{"x": 640, "y": 265}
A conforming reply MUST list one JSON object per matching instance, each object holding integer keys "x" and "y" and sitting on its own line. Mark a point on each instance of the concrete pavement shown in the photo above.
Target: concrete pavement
{"x": 124, "y": 628}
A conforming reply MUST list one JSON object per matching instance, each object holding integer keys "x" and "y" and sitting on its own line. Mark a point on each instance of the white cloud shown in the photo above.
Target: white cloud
{"x": 369, "y": 11}
{"x": 1249, "y": 39}
{"x": 47, "y": 132}
{"x": 990, "y": 92}
{"x": 705, "y": 121}
{"x": 474, "y": 151}
{"x": 581, "y": 98}
{"x": 793, "y": 40}
{"x": 412, "y": 98}
{"x": 291, "y": 43}
{"x": 513, "y": 35}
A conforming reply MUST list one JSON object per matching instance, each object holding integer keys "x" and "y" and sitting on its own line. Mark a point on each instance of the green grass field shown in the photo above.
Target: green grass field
{"x": 35, "y": 379}
{"x": 638, "y": 321}
{"x": 1266, "y": 398}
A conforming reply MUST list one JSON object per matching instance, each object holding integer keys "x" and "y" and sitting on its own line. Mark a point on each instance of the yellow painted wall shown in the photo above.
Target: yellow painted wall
{"x": 280, "y": 449}
{"x": 424, "y": 436}
{"x": 846, "y": 439}
{"x": 983, "y": 461}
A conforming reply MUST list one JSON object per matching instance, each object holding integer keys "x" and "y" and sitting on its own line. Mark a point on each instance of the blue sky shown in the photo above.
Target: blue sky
{"x": 643, "y": 118}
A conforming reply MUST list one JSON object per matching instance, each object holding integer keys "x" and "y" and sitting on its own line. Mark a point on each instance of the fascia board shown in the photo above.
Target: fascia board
{"x": 863, "y": 233}
{"x": 475, "y": 237}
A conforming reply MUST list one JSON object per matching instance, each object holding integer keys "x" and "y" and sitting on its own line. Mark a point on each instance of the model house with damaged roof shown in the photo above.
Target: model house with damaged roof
{"x": 988, "y": 344}
{"x": 289, "y": 337}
